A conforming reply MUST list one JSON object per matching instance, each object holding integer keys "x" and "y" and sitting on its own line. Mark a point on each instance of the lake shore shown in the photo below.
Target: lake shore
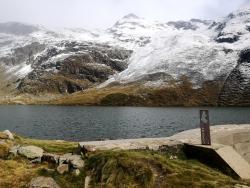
{"x": 100, "y": 163}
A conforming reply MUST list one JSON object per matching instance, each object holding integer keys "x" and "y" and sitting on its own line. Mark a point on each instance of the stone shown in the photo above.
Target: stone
{"x": 87, "y": 148}
{"x": 87, "y": 182}
{"x": 173, "y": 147}
{"x": 13, "y": 151}
{"x": 64, "y": 158}
{"x": 9, "y": 134}
{"x": 43, "y": 182}
{"x": 76, "y": 172}
{"x": 31, "y": 152}
{"x": 50, "y": 158}
{"x": 62, "y": 168}
{"x": 36, "y": 160}
{"x": 49, "y": 170}
{"x": 75, "y": 161}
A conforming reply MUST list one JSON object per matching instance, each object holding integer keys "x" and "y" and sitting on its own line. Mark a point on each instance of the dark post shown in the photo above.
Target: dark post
{"x": 205, "y": 129}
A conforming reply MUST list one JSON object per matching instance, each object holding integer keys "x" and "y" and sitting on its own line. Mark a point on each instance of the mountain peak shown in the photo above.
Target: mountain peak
{"x": 131, "y": 15}
{"x": 17, "y": 28}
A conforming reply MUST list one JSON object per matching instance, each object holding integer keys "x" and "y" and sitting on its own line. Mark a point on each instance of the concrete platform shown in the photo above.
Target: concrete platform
{"x": 126, "y": 144}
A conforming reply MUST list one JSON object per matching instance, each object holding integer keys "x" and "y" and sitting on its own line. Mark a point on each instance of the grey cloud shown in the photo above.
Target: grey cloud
{"x": 104, "y": 13}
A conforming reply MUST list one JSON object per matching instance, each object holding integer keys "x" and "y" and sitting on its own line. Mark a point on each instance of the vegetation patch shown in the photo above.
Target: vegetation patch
{"x": 151, "y": 169}
{"x": 179, "y": 92}
{"x": 66, "y": 180}
{"x": 112, "y": 168}
{"x": 51, "y": 146}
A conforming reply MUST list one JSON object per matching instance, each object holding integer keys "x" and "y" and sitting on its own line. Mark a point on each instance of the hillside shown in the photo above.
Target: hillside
{"x": 190, "y": 63}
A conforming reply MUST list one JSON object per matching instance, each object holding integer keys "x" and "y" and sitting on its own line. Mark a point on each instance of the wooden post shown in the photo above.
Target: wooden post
{"x": 205, "y": 127}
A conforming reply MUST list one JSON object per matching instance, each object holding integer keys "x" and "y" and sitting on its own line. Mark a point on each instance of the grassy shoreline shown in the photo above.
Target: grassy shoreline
{"x": 112, "y": 168}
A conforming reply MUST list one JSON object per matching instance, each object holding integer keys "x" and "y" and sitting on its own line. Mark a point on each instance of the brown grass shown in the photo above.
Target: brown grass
{"x": 16, "y": 173}
{"x": 176, "y": 93}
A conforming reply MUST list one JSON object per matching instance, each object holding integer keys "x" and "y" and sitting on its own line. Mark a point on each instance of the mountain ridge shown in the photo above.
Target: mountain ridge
{"x": 38, "y": 61}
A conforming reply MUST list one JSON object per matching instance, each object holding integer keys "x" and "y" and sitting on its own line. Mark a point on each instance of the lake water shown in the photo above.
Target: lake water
{"x": 99, "y": 123}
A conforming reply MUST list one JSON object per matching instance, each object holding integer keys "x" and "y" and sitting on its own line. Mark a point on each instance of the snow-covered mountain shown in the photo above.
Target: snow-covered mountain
{"x": 34, "y": 59}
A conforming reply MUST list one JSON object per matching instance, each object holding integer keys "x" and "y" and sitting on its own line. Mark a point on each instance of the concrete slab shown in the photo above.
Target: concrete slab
{"x": 126, "y": 144}
{"x": 240, "y": 166}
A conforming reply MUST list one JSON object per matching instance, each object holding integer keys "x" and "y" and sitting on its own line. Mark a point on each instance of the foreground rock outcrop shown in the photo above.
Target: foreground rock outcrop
{"x": 43, "y": 182}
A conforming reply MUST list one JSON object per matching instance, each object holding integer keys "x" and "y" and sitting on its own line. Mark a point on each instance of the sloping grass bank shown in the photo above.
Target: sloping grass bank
{"x": 118, "y": 169}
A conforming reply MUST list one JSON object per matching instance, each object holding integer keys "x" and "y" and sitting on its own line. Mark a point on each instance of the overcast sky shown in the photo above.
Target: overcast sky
{"x": 91, "y": 14}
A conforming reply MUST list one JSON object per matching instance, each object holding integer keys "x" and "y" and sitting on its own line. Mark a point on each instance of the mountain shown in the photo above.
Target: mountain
{"x": 135, "y": 62}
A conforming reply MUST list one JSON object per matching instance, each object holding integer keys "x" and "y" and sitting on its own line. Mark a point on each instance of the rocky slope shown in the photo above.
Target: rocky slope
{"x": 196, "y": 62}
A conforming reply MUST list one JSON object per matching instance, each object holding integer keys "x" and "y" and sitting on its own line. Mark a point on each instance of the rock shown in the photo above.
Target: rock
{"x": 62, "y": 168}
{"x": 9, "y": 134}
{"x": 87, "y": 148}
{"x": 43, "y": 182}
{"x": 173, "y": 147}
{"x": 50, "y": 158}
{"x": 13, "y": 151}
{"x": 49, "y": 170}
{"x": 36, "y": 160}
{"x": 64, "y": 158}
{"x": 76, "y": 172}
{"x": 87, "y": 182}
{"x": 75, "y": 161}
{"x": 236, "y": 88}
{"x": 87, "y": 64}
{"x": 31, "y": 152}
{"x": 227, "y": 39}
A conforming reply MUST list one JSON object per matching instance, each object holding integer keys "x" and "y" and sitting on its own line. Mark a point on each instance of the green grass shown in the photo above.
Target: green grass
{"x": 66, "y": 180}
{"x": 152, "y": 169}
{"x": 50, "y": 146}
{"x": 113, "y": 169}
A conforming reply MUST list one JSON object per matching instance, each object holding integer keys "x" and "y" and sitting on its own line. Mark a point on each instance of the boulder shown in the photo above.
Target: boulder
{"x": 75, "y": 161}
{"x": 62, "y": 168}
{"x": 9, "y": 134}
{"x": 64, "y": 158}
{"x": 31, "y": 152}
{"x": 43, "y": 182}
{"x": 13, "y": 151}
{"x": 50, "y": 158}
